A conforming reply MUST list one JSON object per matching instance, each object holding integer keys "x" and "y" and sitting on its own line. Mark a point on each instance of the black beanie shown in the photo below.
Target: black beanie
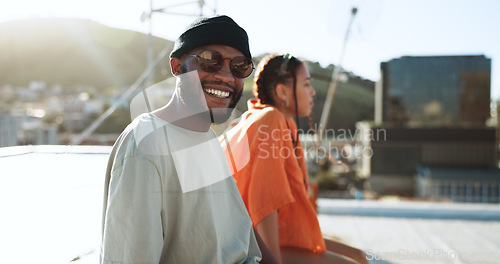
{"x": 221, "y": 30}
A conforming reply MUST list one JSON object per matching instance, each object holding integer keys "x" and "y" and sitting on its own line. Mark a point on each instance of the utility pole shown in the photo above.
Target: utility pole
{"x": 333, "y": 84}
{"x": 146, "y": 77}
{"x": 148, "y": 15}
{"x": 149, "y": 49}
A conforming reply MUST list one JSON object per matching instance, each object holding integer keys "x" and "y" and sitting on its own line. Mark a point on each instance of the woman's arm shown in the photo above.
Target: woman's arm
{"x": 268, "y": 230}
{"x": 293, "y": 255}
{"x": 346, "y": 250}
{"x": 267, "y": 256}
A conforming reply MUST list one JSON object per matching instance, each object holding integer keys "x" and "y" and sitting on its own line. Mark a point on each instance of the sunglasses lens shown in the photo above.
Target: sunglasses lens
{"x": 210, "y": 60}
{"x": 241, "y": 67}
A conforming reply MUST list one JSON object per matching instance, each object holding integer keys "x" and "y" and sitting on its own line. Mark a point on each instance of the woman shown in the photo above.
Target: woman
{"x": 269, "y": 167}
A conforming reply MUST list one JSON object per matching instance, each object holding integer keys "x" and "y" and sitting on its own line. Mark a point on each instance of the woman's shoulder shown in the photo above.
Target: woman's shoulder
{"x": 268, "y": 114}
{"x": 259, "y": 119}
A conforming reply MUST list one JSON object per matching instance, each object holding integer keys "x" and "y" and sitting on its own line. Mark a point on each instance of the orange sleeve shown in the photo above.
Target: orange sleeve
{"x": 270, "y": 177}
{"x": 263, "y": 183}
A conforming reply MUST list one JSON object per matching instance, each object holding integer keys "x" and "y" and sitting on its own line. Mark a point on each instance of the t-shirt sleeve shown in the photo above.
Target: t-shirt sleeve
{"x": 268, "y": 186}
{"x": 133, "y": 226}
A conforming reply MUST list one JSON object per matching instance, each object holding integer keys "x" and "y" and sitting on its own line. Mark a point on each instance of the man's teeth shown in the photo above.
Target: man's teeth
{"x": 217, "y": 93}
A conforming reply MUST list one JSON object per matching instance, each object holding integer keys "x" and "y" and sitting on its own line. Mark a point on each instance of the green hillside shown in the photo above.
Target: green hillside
{"x": 353, "y": 100}
{"x": 73, "y": 52}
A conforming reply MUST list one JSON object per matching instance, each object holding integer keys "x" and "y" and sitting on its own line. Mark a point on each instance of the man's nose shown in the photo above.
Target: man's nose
{"x": 225, "y": 74}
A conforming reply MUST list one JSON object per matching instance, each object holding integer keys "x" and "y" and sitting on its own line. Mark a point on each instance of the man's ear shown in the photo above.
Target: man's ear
{"x": 175, "y": 66}
{"x": 282, "y": 92}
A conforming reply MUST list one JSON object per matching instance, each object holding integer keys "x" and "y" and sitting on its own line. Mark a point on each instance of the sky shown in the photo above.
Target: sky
{"x": 314, "y": 30}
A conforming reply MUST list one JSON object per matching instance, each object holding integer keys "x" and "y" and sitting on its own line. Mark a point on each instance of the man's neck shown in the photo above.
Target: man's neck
{"x": 176, "y": 113}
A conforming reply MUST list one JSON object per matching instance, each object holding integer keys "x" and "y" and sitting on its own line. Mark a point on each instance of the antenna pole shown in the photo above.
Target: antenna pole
{"x": 333, "y": 84}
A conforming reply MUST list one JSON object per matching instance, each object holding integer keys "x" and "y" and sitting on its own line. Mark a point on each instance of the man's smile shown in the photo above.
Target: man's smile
{"x": 217, "y": 93}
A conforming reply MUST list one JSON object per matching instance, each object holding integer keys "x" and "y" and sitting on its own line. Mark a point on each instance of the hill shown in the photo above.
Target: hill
{"x": 75, "y": 52}
{"x": 72, "y": 52}
{"x": 353, "y": 100}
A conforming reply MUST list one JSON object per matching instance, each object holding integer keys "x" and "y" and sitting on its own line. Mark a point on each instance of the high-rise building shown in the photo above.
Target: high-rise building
{"x": 434, "y": 91}
{"x": 433, "y": 111}
{"x": 10, "y": 126}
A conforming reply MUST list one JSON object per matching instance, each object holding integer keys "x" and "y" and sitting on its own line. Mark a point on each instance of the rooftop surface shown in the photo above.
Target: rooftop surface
{"x": 51, "y": 201}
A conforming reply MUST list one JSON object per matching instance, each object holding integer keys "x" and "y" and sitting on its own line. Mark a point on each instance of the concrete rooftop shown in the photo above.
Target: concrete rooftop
{"x": 51, "y": 201}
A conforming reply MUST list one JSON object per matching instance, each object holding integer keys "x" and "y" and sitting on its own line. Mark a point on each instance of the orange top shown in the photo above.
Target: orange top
{"x": 271, "y": 174}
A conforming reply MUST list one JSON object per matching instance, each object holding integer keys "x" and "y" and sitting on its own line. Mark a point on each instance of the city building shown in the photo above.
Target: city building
{"x": 434, "y": 90}
{"x": 433, "y": 111}
{"x": 445, "y": 163}
{"x": 10, "y": 127}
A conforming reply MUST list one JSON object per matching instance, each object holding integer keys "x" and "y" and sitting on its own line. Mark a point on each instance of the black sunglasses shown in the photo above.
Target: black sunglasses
{"x": 212, "y": 61}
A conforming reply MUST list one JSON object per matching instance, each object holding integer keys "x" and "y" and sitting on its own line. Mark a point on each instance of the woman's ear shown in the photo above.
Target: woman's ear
{"x": 175, "y": 65}
{"x": 282, "y": 92}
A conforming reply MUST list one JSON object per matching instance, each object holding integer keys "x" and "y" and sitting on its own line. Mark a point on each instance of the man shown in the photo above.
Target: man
{"x": 169, "y": 194}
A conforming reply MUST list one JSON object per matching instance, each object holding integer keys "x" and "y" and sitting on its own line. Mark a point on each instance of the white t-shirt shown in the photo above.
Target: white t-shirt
{"x": 170, "y": 198}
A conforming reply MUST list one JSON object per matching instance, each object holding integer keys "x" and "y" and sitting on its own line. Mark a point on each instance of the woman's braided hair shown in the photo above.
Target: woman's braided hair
{"x": 270, "y": 72}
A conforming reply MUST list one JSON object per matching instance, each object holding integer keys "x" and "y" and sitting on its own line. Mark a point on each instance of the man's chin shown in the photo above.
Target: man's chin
{"x": 220, "y": 115}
